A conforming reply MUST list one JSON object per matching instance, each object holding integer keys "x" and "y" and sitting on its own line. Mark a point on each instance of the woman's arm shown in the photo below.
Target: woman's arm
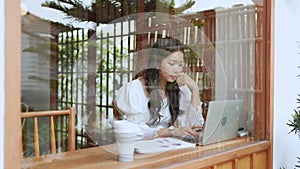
{"x": 190, "y": 103}
{"x": 184, "y": 79}
{"x": 131, "y": 101}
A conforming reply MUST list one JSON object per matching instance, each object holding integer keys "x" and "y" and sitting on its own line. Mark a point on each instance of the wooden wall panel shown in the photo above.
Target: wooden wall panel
{"x": 225, "y": 165}
{"x": 257, "y": 160}
{"x": 244, "y": 163}
{"x": 260, "y": 160}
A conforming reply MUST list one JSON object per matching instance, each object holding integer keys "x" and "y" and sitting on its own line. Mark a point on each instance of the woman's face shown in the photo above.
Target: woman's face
{"x": 171, "y": 66}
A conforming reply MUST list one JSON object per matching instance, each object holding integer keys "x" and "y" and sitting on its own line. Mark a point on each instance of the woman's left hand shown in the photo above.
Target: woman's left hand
{"x": 184, "y": 79}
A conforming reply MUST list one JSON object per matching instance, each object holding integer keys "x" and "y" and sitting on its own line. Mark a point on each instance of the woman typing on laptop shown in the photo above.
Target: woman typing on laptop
{"x": 162, "y": 100}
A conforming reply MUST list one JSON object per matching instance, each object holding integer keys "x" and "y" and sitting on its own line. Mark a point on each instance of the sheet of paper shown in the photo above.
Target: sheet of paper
{"x": 158, "y": 145}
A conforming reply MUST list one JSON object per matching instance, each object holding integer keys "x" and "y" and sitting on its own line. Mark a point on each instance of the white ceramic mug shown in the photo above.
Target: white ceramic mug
{"x": 125, "y": 139}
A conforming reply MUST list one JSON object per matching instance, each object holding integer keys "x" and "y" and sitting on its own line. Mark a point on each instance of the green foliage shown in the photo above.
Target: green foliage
{"x": 298, "y": 166}
{"x": 295, "y": 122}
{"x": 77, "y": 10}
{"x": 298, "y": 100}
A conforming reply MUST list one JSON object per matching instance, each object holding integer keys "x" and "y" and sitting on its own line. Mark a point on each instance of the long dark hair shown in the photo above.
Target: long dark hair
{"x": 165, "y": 46}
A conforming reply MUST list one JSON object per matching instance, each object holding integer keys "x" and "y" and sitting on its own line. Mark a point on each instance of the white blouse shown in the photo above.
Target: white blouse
{"x": 132, "y": 101}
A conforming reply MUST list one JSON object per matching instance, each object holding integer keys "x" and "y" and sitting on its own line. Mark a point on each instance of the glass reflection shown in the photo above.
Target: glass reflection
{"x": 79, "y": 53}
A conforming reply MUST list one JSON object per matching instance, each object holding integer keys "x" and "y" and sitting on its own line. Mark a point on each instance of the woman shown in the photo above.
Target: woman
{"x": 162, "y": 100}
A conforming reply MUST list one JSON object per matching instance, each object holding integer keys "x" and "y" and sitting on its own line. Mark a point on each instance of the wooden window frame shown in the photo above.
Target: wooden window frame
{"x": 12, "y": 84}
{"x": 12, "y": 95}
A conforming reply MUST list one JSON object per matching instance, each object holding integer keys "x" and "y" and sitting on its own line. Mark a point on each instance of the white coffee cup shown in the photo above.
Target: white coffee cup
{"x": 125, "y": 146}
{"x": 125, "y": 140}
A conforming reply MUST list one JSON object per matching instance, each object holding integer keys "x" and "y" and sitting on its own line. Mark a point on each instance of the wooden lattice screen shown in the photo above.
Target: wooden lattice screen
{"x": 92, "y": 65}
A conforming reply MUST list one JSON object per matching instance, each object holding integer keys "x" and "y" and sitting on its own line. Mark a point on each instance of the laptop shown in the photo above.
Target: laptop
{"x": 222, "y": 121}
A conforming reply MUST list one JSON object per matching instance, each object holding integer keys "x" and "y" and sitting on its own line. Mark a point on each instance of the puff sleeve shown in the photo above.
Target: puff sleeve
{"x": 132, "y": 101}
{"x": 190, "y": 115}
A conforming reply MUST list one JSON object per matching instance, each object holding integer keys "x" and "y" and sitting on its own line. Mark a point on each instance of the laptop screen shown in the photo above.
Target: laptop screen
{"x": 222, "y": 121}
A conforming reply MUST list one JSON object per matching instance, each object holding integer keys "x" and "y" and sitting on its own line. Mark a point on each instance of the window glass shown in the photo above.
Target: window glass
{"x": 79, "y": 53}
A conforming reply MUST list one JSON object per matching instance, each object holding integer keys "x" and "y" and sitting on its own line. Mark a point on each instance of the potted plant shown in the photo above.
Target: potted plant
{"x": 295, "y": 126}
{"x": 295, "y": 122}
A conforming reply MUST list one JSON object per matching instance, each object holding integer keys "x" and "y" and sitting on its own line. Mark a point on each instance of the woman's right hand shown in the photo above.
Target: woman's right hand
{"x": 178, "y": 132}
{"x": 185, "y": 131}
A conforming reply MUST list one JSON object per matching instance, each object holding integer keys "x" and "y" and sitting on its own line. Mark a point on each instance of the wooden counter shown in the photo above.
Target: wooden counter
{"x": 242, "y": 152}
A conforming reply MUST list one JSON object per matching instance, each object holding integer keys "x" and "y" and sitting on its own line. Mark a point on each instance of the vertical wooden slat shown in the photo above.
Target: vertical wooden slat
{"x": 36, "y": 138}
{"x": 121, "y": 57}
{"x": 77, "y": 90}
{"x": 21, "y": 140}
{"x": 252, "y": 156}
{"x": 54, "y": 69}
{"x": 109, "y": 39}
{"x": 209, "y": 55}
{"x": 67, "y": 66}
{"x": 260, "y": 77}
{"x": 72, "y": 67}
{"x": 62, "y": 67}
{"x": 71, "y": 129}
{"x": 91, "y": 82}
{"x": 52, "y": 136}
{"x": 60, "y": 134}
{"x": 235, "y": 163}
{"x": 65, "y": 129}
{"x": 82, "y": 72}
{"x": 101, "y": 68}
